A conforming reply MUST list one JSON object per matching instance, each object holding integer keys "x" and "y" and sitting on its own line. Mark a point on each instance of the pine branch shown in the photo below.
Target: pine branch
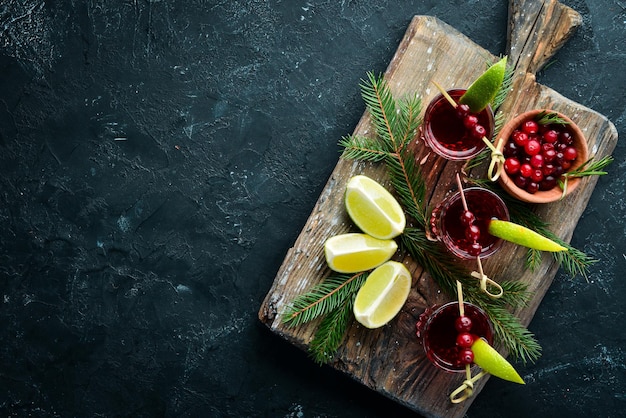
{"x": 408, "y": 183}
{"x": 331, "y": 332}
{"x": 408, "y": 120}
{"x": 520, "y": 343}
{"x": 363, "y": 148}
{"x": 533, "y": 259}
{"x": 322, "y": 299}
{"x": 382, "y": 108}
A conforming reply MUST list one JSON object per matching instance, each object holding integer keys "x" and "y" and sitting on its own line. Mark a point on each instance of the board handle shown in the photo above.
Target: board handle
{"x": 537, "y": 30}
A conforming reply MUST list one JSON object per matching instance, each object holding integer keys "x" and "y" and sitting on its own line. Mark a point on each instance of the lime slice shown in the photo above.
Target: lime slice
{"x": 484, "y": 88}
{"x": 492, "y": 362}
{"x": 373, "y": 209}
{"x": 382, "y": 295}
{"x": 521, "y": 235}
{"x": 352, "y": 253}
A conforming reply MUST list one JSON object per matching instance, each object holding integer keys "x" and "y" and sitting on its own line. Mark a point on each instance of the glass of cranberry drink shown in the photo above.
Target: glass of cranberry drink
{"x": 456, "y": 133}
{"x": 446, "y": 335}
{"x": 465, "y": 233}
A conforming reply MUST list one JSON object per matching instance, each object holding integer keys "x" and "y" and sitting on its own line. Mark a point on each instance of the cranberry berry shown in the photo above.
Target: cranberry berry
{"x": 463, "y": 323}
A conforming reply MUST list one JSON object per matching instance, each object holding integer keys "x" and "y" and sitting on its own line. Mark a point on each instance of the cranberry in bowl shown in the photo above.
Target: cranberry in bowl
{"x": 539, "y": 146}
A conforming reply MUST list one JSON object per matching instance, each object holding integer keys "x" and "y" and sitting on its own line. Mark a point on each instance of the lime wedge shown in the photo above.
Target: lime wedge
{"x": 521, "y": 235}
{"x": 352, "y": 252}
{"x": 493, "y": 363}
{"x": 382, "y": 295}
{"x": 484, "y": 88}
{"x": 373, "y": 209}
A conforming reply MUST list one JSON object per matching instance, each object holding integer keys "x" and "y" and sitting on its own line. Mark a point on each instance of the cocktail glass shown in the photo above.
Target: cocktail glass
{"x": 447, "y": 222}
{"x": 438, "y": 333}
{"x": 444, "y": 131}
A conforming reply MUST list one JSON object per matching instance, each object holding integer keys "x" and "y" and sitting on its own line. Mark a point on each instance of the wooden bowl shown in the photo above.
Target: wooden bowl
{"x": 556, "y": 193}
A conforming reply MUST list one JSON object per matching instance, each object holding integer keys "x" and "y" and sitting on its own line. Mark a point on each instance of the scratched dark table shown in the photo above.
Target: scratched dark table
{"x": 158, "y": 159}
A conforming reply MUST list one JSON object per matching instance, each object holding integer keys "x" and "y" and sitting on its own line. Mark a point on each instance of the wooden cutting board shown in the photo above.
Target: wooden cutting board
{"x": 390, "y": 360}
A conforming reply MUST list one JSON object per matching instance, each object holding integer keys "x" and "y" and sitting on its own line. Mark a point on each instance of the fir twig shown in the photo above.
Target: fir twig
{"x": 331, "y": 332}
{"x": 322, "y": 299}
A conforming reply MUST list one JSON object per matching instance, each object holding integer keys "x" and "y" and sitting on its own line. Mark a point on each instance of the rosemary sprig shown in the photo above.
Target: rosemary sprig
{"x": 549, "y": 118}
{"x": 589, "y": 168}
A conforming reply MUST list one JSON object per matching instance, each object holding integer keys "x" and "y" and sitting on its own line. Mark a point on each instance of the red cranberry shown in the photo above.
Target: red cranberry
{"x": 570, "y": 153}
{"x": 478, "y": 131}
{"x": 566, "y": 138}
{"x": 465, "y": 340}
{"x": 470, "y": 121}
{"x": 511, "y": 165}
{"x": 525, "y": 170}
{"x": 520, "y": 138}
{"x": 548, "y": 169}
{"x": 532, "y": 187}
{"x": 549, "y": 154}
{"x": 530, "y": 127}
{"x": 475, "y": 249}
{"x": 463, "y": 323}
{"x": 472, "y": 233}
{"x": 520, "y": 181}
{"x": 466, "y": 356}
{"x": 467, "y": 218}
{"x": 536, "y": 175}
{"x": 551, "y": 136}
{"x": 532, "y": 147}
{"x": 548, "y": 183}
{"x": 462, "y": 110}
{"x": 536, "y": 161}
{"x": 511, "y": 149}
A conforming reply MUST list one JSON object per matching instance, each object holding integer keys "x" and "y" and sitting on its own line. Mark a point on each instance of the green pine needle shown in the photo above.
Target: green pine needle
{"x": 363, "y": 148}
{"x": 322, "y": 299}
{"x": 331, "y": 332}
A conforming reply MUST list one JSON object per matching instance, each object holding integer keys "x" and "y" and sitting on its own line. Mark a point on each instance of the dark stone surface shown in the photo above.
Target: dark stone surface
{"x": 158, "y": 158}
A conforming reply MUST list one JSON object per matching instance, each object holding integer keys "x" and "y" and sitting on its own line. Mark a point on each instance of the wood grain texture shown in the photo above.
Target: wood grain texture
{"x": 390, "y": 360}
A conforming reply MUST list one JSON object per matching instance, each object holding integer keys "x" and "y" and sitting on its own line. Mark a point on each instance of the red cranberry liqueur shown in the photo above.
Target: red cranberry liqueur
{"x": 455, "y": 133}
{"x": 465, "y": 233}
{"x": 447, "y": 336}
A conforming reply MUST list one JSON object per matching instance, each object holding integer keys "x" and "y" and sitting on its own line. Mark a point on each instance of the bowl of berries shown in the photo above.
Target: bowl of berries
{"x": 540, "y": 147}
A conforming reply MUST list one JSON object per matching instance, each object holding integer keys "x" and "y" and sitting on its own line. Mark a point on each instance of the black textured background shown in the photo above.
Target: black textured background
{"x": 157, "y": 160}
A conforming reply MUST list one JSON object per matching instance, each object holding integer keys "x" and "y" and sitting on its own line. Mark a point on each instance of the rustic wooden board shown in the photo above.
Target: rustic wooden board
{"x": 390, "y": 360}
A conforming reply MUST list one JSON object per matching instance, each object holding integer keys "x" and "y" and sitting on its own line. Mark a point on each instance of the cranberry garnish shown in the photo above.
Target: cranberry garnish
{"x": 462, "y": 110}
{"x": 478, "y": 131}
{"x": 463, "y": 323}
{"x": 465, "y": 340}
{"x": 466, "y": 356}
{"x": 467, "y": 218}
{"x": 472, "y": 233}
{"x": 470, "y": 121}
{"x": 475, "y": 249}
